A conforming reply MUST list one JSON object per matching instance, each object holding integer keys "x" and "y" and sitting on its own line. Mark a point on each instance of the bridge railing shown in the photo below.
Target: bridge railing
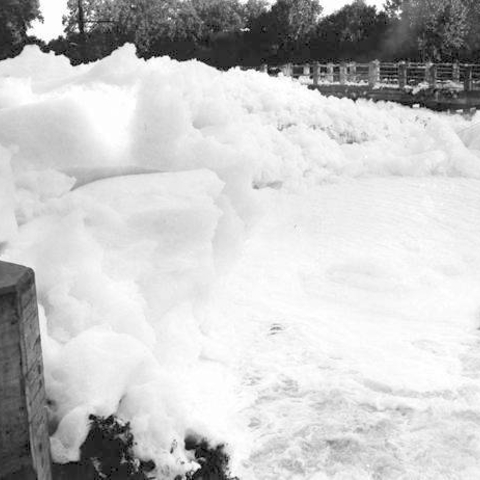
{"x": 401, "y": 75}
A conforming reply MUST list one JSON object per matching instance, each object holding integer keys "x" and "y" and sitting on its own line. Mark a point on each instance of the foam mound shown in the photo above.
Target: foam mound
{"x": 130, "y": 187}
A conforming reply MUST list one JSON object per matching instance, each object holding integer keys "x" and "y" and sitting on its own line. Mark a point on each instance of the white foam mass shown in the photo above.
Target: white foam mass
{"x": 8, "y": 224}
{"x": 236, "y": 256}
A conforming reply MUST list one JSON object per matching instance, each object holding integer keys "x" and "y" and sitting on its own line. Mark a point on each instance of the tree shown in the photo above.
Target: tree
{"x": 220, "y": 15}
{"x": 430, "y": 29}
{"x": 355, "y": 32}
{"x": 293, "y": 22}
{"x": 440, "y": 27}
{"x": 473, "y": 35}
{"x": 154, "y": 22}
{"x": 16, "y": 17}
{"x": 253, "y": 9}
{"x": 152, "y": 25}
{"x": 393, "y": 8}
{"x": 284, "y": 31}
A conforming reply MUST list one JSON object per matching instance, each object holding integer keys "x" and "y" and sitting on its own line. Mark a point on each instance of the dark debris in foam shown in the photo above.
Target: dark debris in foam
{"x": 213, "y": 461}
{"x": 107, "y": 454}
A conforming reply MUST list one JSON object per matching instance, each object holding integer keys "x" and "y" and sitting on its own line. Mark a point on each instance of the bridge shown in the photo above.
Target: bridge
{"x": 438, "y": 86}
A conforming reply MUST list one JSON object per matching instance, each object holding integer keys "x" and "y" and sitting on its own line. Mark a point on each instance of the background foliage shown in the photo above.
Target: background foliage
{"x": 225, "y": 33}
{"x": 16, "y": 16}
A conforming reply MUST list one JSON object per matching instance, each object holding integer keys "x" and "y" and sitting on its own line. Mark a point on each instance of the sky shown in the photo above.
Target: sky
{"x": 330, "y": 6}
{"x": 54, "y": 9}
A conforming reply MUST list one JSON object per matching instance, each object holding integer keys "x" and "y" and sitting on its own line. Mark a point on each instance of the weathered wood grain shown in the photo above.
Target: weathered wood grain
{"x": 24, "y": 441}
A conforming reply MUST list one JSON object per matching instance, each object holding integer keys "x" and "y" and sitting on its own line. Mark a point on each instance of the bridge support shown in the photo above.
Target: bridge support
{"x": 330, "y": 72}
{"x": 431, "y": 74}
{"x": 402, "y": 75}
{"x": 468, "y": 81}
{"x": 352, "y": 71}
{"x": 456, "y": 72}
{"x": 316, "y": 73}
{"x": 373, "y": 73}
{"x": 343, "y": 73}
{"x": 287, "y": 70}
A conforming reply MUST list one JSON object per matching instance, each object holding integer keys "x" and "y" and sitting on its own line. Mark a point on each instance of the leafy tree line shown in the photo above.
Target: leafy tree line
{"x": 16, "y": 16}
{"x": 434, "y": 29}
{"x": 227, "y": 32}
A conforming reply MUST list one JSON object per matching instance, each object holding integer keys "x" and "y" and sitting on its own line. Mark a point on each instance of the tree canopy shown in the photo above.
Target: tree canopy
{"x": 225, "y": 33}
{"x": 354, "y": 32}
{"x": 432, "y": 29}
{"x": 16, "y": 16}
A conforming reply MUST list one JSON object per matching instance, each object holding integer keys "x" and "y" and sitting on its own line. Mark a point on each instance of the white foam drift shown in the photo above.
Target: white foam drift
{"x": 136, "y": 190}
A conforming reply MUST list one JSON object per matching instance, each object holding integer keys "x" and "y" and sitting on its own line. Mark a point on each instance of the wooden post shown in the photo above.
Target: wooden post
{"x": 24, "y": 442}
{"x": 264, "y": 68}
{"x": 343, "y": 73}
{"x": 316, "y": 73}
{"x": 306, "y": 70}
{"x": 431, "y": 74}
{"x": 426, "y": 75}
{"x": 330, "y": 72}
{"x": 352, "y": 71}
{"x": 468, "y": 82}
{"x": 287, "y": 70}
{"x": 373, "y": 73}
{"x": 456, "y": 72}
{"x": 402, "y": 75}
